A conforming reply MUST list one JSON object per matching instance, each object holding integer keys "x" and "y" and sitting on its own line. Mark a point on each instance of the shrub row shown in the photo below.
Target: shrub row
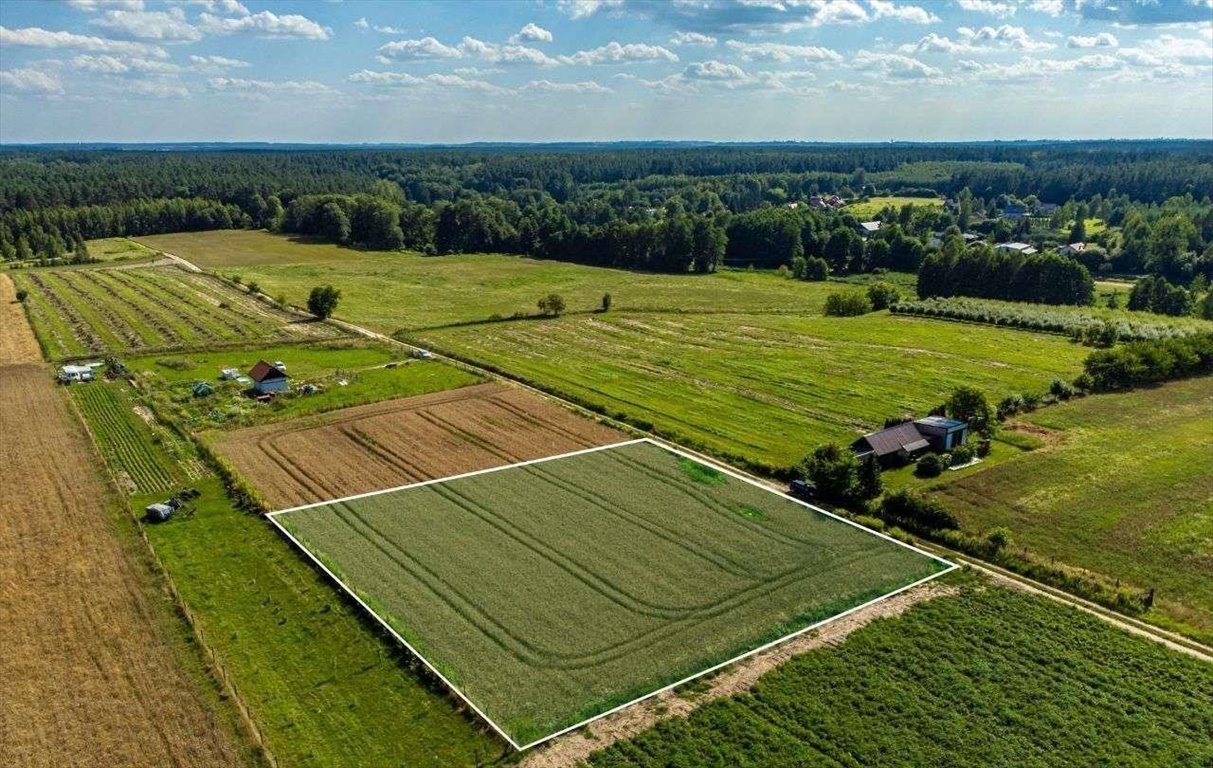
{"x": 1087, "y": 328}
{"x": 1147, "y": 362}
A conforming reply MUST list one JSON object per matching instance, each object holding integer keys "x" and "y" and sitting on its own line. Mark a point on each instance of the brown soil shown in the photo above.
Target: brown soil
{"x": 383, "y": 445}
{"x": 574, "y": 748}
{"x": 17, "y": 342}
{"x": 92, "y": 673}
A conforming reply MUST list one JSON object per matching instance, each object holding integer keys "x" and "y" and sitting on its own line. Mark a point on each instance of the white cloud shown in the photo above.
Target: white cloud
{"x": 911, "y": 14}
{"x": 362, "y": 23}
{"x": 1049, "y": 7}
{"x": 212, "y": 63}
{"x": 781, "y": 52}
{"x": 161, "y": 26}
{"x": 585, "y": 86}
{"x": 94, "y": 5}
{"x": 157, "y": 89}
{"x": 117, "y": 65}
{"x": 36, "y": 37}
{"x": 858, "y": 89}
{"x": 714, "y": 70}
{"x": 583, "y": 9}
{"x": 30, "y": 81}
{"x": 692, "y": 38}
{"x": 505, "y": 54}
{"x": 617, "y": 53}
{"x": 531, "y": 33}
{"x": 1172, "y": 48}
{"x": 418, "y": 50}
{"x": 265, "y": 24}
{"x": 1035, "y": 69}
{"x": 893, "y": 65}
{"x": 230, "y": 7}
{"x": 999, "y": 9}
{"x": 405, "y": 80}
{"x": 1102, "y": 40}
{"x": 280, "y": 86}
{"x": 981, "y": 40}
{"x": 833, "y": 12}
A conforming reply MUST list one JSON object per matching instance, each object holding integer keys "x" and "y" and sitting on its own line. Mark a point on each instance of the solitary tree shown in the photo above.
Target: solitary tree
{"x": 606, "y": 302}
{"x": 970, "y": 405}
{"x": 22, "y": 295}
{"x": 322, "y": 301}
{"x": 552, "y": 304}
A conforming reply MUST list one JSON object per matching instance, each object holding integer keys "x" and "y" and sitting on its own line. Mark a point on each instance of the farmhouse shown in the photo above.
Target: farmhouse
{"x": 903, "y": 442}
{"x": 1014, "y": 211}
{"x": 1072, "y": 249}
{"x": 267, "y": 378}
{"x": 1024, "y": 248}
{"x": 869, "y": 227}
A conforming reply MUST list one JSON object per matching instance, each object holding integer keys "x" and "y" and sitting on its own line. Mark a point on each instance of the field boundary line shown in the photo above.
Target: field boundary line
{"x": 272, "y": 517}
{"x": 460, "y": 476}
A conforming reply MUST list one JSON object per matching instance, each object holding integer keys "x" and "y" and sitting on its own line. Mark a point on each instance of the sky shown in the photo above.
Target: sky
{"x": 365, "y": 71}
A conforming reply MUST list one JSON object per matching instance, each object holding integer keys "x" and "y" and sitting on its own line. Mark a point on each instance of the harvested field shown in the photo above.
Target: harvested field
{"x": 99, "y": 311}
{"x": 93, "y": 674}
{"x": 371, "y": 447}
{"x": 554, "y": 591}
{"x": 17, "y": 342}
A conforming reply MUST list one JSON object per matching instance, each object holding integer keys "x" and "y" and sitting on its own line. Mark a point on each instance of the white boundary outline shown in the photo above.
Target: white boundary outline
{"x": 271, "y": 516}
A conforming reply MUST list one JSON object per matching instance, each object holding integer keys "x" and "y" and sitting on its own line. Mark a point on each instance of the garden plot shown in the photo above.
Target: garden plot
{"x": 551, "y": 592}
{"x": 115, "y": 311}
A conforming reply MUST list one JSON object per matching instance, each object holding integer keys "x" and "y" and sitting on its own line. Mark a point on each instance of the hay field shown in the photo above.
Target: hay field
{"x": 554, "y": 591}
{"x": 93, "y": 672}
{"x": 79, "y": 312}
{"x": 397, "y": 442}
{"x": 17, "y": 341}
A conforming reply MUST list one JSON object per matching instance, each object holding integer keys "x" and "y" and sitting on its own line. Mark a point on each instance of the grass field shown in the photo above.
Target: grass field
{"x": 362, "y": 365}
{"x": 126, "y": 443}
{"x": 989, "y": 677}
{"x": 93, "y": 312}
{"x": 765, "y": 388}
{"x": 629, "y": 568}
{"x": 871, "y": 207}
{"x": 119, "y": 249}
{"x": 390, "y": 291}
{"x": 1122, "y": 485}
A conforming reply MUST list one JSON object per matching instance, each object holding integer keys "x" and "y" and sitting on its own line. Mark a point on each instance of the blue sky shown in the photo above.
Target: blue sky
{"x": 600, "y": 70}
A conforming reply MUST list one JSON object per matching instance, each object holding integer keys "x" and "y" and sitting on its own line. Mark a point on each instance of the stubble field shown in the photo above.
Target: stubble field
{"x": 553, "y": 591}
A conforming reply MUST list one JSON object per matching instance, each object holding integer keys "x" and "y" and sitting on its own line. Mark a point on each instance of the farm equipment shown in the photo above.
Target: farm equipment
{"x": 162, "y": 511}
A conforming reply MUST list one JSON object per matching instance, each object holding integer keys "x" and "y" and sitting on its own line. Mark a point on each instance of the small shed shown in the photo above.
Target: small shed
{"x": 267, "y": 378}
{"x": 943, "y": 433}
{"x": 892, "y": 445}
{"x": 869, "y": 227}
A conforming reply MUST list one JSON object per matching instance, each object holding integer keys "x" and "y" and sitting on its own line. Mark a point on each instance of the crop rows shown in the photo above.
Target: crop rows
{"x": 126, "y": 442}
{"x": 94, "y": 312}
{"x": 1079, "y": 322}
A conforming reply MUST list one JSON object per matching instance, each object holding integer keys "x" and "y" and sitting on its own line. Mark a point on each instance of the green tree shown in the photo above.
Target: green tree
{"x": 834, "y": 473}
{"x": 882, "y": 295}
{"x": 334, "y": 223}
{"x": 1205, "y": 308}
{"x": 552, "y": 305}
{"x": 606, "y": 302}
{"x": 869, "y": 484}
{"x": 322, "y": 301}
{"x": 968, "y": 404}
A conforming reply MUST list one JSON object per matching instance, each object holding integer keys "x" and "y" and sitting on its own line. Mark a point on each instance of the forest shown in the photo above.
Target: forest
{"x": 1137, "y": 207}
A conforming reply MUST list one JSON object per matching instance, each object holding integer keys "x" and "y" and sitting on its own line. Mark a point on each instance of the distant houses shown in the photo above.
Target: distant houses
{"x": 868, "y": 227}
{"x": 267, "y": 378}
{"x": 904, "y": 442}
{"x": 1025, "y": 248}
{"x": 1014, "y": 211}
{"x": 1073, "y": 249}
{"x": 826, "y": 201}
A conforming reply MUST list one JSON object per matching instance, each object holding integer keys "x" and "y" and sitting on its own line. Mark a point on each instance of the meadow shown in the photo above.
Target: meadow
{"x": 763, "y": 389}
{"x": 630, "y": 568}
{"x": 79, "y": 312}
{"x": 988, "y": 677}
{"x": 1122, "y": 484}
{"x": 870, "y": 208}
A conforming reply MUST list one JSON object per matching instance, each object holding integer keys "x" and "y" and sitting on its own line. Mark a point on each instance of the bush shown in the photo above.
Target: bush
{"x": 913, "y": 512}
{"x": 1061, "y": 390}
{"x": 834, "y": 473}
{"x": 961, "y": 454}
{"x": 882, "y": 295}
{"x": 812, "y": 268}
{"x": 847, "y": 304}
{"x": 551, "y": 305}
{"x": 322, "y": 301}
{"x": 998, "y": 538}
{"x": 606, "y": 302}
{"x": 22, "y": 295}
{"x": 1147, "y": 362}
{"x": 930, "y": 465}
{"x": 253, "y": 287}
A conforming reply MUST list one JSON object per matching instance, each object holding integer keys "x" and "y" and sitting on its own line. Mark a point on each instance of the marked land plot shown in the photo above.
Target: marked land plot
{"x": 366, "y": 448}
{"x": 554, "y": 591}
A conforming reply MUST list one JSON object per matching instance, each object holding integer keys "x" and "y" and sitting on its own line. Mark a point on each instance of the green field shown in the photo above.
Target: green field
{"x": 1122, "y": 485}
{"x": 79, "y": 312}
{"x": 119, "y": 249}
{"x": 867, "y": 209}
{"x": 362, "y": 365}
{"x": 323, "y": 688}
{"x": 989, "y": 677}
{"x": 390, "y": 291}
{"x": 764, "y": 388}
{"x": 628, "y": 569}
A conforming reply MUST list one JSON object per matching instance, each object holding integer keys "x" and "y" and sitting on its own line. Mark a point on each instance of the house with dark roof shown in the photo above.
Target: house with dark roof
{"x": 905, "y": 442}
{"x": 267, "y": 378}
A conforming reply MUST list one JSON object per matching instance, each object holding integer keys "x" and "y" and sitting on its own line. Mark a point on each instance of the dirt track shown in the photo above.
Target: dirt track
{"x": 92, "y": 674}
{"x": 398, "y": 442}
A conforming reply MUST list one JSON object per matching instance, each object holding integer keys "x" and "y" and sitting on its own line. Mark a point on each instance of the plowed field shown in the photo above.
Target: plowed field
{"x": 90, "y": 673}
{"x": 398, "y": 442}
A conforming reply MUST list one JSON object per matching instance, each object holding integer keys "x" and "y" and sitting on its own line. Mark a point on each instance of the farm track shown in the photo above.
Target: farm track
{"x": 95, "y": 672}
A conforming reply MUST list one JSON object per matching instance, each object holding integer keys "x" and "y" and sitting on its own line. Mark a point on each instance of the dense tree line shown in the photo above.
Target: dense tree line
{"x": 984, "y": 272}
{"x": 1147, "y": 362}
